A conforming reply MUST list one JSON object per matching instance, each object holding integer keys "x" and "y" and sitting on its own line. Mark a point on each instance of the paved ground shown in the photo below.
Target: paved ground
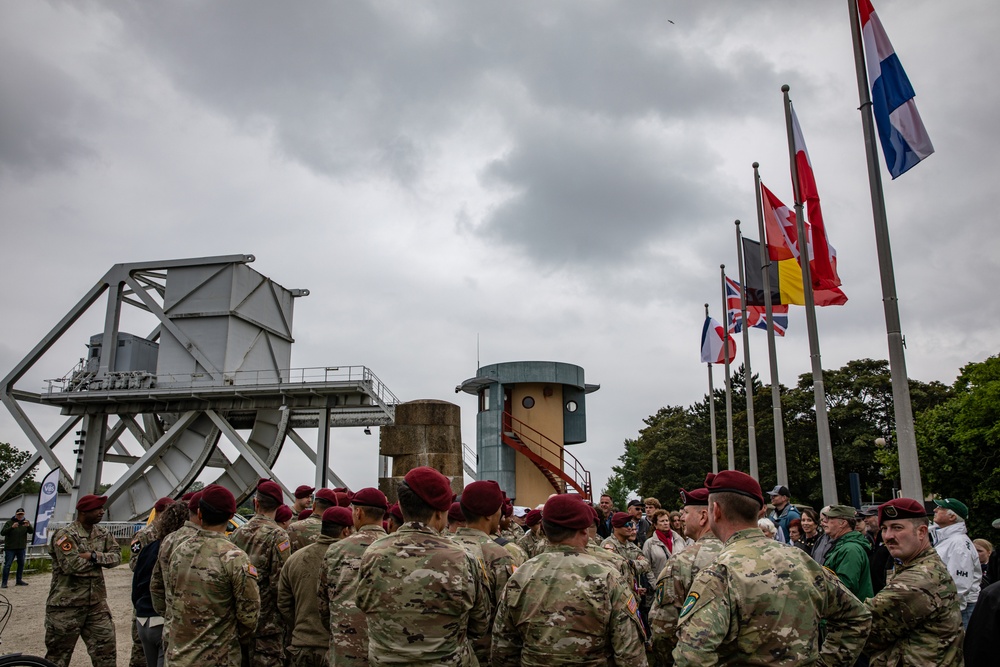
{"x": 25, "y": 632}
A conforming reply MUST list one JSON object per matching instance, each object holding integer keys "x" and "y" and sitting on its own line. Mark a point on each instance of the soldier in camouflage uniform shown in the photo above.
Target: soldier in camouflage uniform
{"x": 77, "y": 605}
{"x": 268, "y": 547}
{"x": 297, "y": 599}
{"x": 533, "y": 542}
{"x": 762, "y": 602}
{"x": 211, "y": 591}
{"x": 564, "y": 607}
{"x": 675, "y": 580}
{"x": 916, "y": 618}
{"x": 305, "y": 531}
{"x": 338, "y": 581}
{"x": 621, "y": 542}
{"x": 142, "y": 537}
{"x": 421, "y": 593}
{"x": 482, "y": 503}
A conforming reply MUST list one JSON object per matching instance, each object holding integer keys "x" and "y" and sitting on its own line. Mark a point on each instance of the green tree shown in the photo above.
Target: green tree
{"x": 958, "y": 444}
{"x": 11, "y": 460}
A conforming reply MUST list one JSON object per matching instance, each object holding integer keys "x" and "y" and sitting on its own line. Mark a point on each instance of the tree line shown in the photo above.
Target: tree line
{"x": 957, "y": 432}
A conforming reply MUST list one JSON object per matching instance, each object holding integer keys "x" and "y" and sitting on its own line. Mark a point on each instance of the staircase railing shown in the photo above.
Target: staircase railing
{"x": 568, "y": 468}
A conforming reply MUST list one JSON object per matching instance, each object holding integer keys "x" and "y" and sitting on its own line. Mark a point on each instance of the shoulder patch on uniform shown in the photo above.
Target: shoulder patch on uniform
{"x": 250, "y": 570}
{"x": 284, "y": 546}
{"x": 689, "y": 604}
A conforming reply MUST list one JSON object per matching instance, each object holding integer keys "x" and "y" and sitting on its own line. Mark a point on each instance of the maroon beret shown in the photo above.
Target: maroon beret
{"x": 455, "y": 513}
{"x": 343, "y": 499}
{"x": 533, "y": 518}
{"x": 431, "y": 486}
{"x": 304, "y": 491}
{"x": 734, "y": 481}
{"x": 338, "y": 515}
{"x": 283, "y": 514}
{"x": 482, "y": 498}
{"x": 218, "y": 498}
{"x": 901, "y": 508}
{"x": 396, "y": 513}
{"x": 91, "y": 502}
{"x": 567, "y": 512}
{"x": 188, "y": 496}
{"x": 162, "y": 504}
{"x": 370, "y": 497}
{"x": 269, "y": 488}
{"x": 328, "y": 496}
{"x": 305, "y": 514}
{"x": 619, "y": 519}
{"x": 696, "y": 497}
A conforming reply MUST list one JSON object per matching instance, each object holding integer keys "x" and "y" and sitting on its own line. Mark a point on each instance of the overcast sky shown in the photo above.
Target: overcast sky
{"x": 557, "y": 180}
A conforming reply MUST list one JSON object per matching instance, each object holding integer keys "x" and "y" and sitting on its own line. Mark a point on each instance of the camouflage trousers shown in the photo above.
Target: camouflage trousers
{"x": 268, "y": 651}
{"x": 303, "y": 656}
{"x": 64, "y": 625}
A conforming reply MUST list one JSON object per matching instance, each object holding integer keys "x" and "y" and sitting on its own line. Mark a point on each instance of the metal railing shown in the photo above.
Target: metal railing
{"x": 133, "y": 380}
{"x": 570, "y": 470}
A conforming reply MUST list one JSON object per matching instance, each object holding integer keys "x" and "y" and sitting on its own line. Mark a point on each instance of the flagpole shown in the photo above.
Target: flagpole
{"x": 747, "y": 375}
{"x": 781, "y": 468}
{"x": 826, "y": 470}
{"x": 906, "y": 441}
{"x": 711, "y": 414}
{"x": 730, "y": 447}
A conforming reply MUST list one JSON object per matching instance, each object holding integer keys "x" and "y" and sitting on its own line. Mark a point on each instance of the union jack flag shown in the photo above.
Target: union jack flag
{"x": 756, "y": 315}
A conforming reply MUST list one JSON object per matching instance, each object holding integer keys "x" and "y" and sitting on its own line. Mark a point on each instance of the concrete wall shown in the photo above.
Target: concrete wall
{"x": 425, "y": 433}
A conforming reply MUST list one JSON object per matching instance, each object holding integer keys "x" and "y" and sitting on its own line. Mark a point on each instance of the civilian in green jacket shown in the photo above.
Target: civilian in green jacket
{"x": 848, "y": 557}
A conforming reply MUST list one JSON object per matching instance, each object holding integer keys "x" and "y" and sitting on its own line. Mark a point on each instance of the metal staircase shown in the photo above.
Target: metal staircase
{"x": 532, "y": 444}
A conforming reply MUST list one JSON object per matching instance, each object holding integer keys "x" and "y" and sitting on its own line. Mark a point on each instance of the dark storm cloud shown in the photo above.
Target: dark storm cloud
{"x": 39, "y": 112}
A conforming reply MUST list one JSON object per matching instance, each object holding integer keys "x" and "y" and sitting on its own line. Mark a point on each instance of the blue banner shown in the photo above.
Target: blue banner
{"x": 47, "y": 496}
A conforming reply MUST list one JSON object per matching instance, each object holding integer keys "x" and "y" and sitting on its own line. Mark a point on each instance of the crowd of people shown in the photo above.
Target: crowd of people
{"x": 345, "y": 578}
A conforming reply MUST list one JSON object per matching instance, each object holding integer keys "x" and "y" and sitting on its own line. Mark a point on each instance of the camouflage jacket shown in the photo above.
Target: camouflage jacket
{"x": 518, "y": 554}
{"x": 305, "y": 532}
{"x": 142, "y": 537}
{"x": 761, "y": 603}
{"x": 633, "y": 554}
{"x": 78, "y": 582}
{"x": 915, "y": 618}
{"x": 297, "y": 599}
{"x": 672, "y": 588}
{"x": 157, "y": 586}
{"x": 267, "y": 545}
{"x": 532, "y": 544}
{"x": 212, "y": 600}
{"x": 338, "y": 586}
{"x": 498, "y": 567}
{"x": 423, "y": 597}
{"x": 565, "y": 607}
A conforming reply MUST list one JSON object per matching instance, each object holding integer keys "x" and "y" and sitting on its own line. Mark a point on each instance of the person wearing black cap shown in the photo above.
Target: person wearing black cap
{"x": 596, "y": 615}
{"x": 213, "y": 604}
{"x": 916, "y": 618}
{"x": 762, "y": 602}
{"x": 15, "y": 544}
{"x": 784, "y": 511}
{"x": 268, "y": 546}
{"x": 297, "y": 587}
{"x": 77, "y": 605}
{"x": 676, "y": 578}
{"x": 421, "y": 593}
{"x": 338, "y": 580}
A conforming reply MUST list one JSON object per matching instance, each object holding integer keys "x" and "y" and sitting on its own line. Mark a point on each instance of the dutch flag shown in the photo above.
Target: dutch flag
{"x": 902, "y": 134}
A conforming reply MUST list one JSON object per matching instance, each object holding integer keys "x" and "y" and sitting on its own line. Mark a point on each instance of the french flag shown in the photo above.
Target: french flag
{"x": 715, "y": 343}
{"x": 904, "y": 139}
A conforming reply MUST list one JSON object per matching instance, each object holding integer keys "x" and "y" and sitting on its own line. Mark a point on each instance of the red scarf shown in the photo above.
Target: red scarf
{"x": 667, "y": 538}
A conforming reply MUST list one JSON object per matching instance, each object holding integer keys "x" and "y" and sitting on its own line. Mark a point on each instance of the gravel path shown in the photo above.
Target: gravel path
{"x": 25, "y": 632}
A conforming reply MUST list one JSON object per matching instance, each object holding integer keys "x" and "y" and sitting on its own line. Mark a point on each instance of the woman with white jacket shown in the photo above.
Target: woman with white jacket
{"x": 662, "y": 544}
